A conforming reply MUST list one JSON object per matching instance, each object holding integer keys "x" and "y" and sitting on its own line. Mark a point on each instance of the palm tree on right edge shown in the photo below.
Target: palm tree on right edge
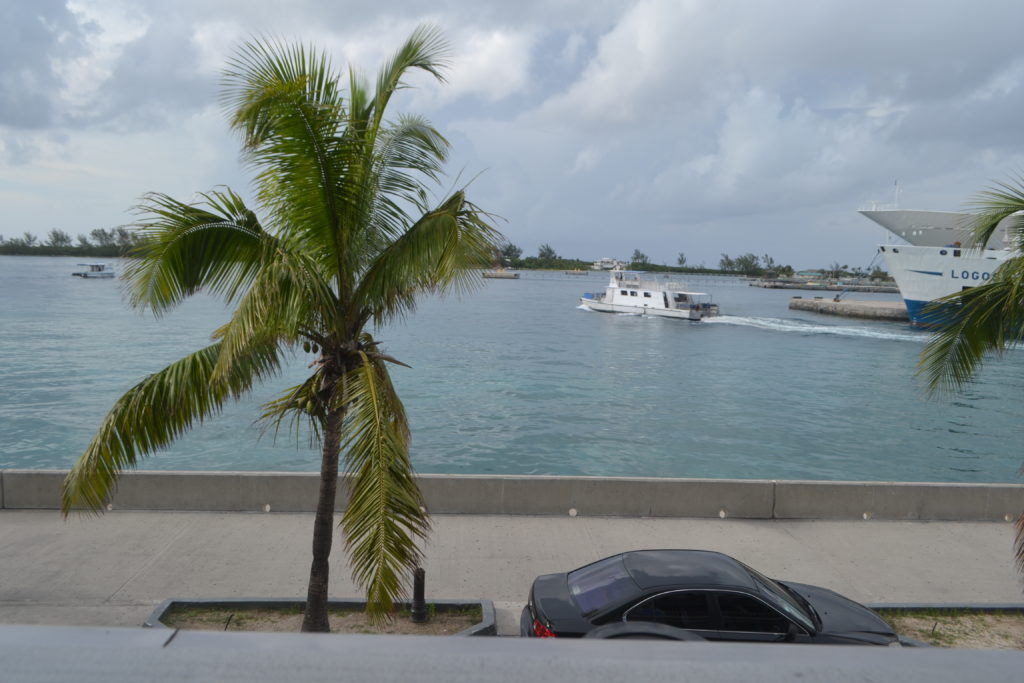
{"x": 969, "y": 325}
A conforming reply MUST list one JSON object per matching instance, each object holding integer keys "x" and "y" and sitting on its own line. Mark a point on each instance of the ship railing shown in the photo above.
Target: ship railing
{"x": 878, "y": 206}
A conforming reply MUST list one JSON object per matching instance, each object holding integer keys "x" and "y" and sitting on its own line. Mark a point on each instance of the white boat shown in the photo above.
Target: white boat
{"x": 646, "y": 294}
{"x": 97, "y": 270}
{"x": 929, "y": 267}
{"x": 607, "y": 264}
{"x": 501, "y": 274}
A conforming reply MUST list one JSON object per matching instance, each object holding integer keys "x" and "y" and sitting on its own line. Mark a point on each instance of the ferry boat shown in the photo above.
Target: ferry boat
{"x": 925, "y": 271}
{"x": 97, "y": 270}
{"x": 643, "y": 293}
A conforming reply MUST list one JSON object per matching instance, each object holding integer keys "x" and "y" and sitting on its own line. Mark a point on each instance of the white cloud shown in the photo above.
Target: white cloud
{"x": 587, "y": 159}
{"x": 494, "y": 64}
{"x": 213, "y": 42}
{"x": 108, "y": 27}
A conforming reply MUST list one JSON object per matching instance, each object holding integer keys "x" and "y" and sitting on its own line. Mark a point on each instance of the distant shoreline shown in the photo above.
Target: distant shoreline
{"x": 112, "y": 251}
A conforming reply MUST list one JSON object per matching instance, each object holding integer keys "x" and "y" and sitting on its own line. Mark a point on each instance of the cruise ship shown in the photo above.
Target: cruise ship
{"x": 935, "y": 263}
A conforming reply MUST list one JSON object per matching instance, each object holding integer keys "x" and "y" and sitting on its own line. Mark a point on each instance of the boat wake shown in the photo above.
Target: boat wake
{"x": 801, "y": 327}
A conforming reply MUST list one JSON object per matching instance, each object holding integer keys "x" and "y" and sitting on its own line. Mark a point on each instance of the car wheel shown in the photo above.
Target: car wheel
{"x": 642, "y": 630}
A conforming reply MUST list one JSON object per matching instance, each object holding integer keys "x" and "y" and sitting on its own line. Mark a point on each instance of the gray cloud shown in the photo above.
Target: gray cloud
{"x": 600, "y": 127}
{"x": 31, "y": 34}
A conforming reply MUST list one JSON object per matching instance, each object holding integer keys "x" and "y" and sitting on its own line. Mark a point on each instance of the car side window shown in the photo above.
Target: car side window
{"x": 682, "y": 609}
{"x": 744, "y": 613}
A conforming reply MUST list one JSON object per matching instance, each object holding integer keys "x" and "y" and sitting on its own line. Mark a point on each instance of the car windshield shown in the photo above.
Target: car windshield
{"x": 781, "y": 599}
{"x": 601, "y": 584}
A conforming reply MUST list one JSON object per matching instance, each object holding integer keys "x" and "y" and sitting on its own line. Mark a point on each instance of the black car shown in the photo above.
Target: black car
{"x": 706, "y": 593}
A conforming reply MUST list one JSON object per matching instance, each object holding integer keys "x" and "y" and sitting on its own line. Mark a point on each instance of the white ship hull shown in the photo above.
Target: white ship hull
{"x": 688, "y": 314}
{"x": 924, "y": 274}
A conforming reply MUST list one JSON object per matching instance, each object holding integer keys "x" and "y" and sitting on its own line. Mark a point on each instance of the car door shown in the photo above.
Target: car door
{"x": 686, "y": 609}
{"x": 743, "y": 617}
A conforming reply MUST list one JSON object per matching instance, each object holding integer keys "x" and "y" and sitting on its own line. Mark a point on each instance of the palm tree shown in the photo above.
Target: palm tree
{"x": 345, "y": 241}
{"x": 973, "y": 323}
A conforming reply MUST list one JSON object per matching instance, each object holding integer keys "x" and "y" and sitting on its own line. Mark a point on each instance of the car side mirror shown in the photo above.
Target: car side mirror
{"x": 791, "y": 632}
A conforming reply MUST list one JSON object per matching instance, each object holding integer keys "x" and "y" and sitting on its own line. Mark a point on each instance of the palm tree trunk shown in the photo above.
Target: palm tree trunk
{"x": 315, "y": 617}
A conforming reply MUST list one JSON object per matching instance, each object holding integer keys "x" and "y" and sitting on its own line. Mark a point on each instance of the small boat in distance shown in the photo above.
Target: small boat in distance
{"x": 501, "y": 274}
{"x": 608, "y": 264}
{"x": 633, "y": 292}
{"x": 97, "y": 270}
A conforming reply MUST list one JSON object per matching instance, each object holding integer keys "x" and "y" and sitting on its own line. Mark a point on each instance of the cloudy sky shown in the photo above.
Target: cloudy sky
{"x": 597, "y": 126}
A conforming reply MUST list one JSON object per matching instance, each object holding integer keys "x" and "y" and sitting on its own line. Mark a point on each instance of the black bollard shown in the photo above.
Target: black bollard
{"x": 418, "y": 612}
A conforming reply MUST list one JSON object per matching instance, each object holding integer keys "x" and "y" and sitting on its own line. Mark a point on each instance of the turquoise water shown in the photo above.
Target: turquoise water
{"x": 516, "y": 379}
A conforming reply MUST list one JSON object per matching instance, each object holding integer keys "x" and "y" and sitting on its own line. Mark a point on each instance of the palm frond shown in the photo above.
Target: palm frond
{"x": 183, "y": 248}
{"x": 385, "y": 517}
{"x": 992, "y": 206}
{"x": 438, "y": 253}
{"x": 302, "y": 405}
{"x": 287, "y": 299}
{"x": 972, "y": 323}
{"x": 286, "y": 103}
{"x": 154, "y": 412}
{"x": 407, "y": 153}
{"x": 425, "y": 49}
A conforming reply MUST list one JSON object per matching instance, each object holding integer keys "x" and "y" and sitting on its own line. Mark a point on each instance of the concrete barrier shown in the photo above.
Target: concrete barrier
{"x": 597, "y": 496}
{"x": 902, "y": 500}
{"x": 548, "y": 495}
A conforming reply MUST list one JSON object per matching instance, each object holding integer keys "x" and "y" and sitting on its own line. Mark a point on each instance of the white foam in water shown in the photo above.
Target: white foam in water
{"x": 800, "y": 327}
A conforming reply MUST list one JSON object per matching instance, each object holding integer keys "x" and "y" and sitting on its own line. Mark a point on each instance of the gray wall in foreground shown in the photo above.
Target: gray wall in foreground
{"x": 534, "y": 495}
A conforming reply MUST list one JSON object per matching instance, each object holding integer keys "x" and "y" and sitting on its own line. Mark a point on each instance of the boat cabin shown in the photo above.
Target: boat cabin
{"x": 97, "y": 270}
{"x": 645, "y": 293}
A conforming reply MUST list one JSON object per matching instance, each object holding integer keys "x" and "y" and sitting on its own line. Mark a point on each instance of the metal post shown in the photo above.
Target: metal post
{"x": 418, "y": 612}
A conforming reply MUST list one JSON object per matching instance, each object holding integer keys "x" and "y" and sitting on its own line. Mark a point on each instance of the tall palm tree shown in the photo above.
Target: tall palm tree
{"x": 976, "y": 322}
{"x": 344, "y": 241}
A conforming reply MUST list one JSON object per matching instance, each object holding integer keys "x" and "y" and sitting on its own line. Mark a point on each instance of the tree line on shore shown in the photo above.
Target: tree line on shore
{"x": 118, "y": 241}
{"x": 99, "y": 242}
{"x": 749, "y": 264}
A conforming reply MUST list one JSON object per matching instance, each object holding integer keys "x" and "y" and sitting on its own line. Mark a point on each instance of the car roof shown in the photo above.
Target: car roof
{"x": 683, "y": 568}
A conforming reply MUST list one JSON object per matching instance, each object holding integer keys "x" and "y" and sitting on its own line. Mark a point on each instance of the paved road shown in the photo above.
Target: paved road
{"x": 113, "y": 570}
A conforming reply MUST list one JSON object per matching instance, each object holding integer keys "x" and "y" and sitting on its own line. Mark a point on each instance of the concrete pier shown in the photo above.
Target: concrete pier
{"x": 826, "y": 286}
{"x": 851, "y": 308}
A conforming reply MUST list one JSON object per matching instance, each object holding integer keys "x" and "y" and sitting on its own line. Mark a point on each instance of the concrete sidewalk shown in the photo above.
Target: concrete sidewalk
{"x": 114, "y": 570}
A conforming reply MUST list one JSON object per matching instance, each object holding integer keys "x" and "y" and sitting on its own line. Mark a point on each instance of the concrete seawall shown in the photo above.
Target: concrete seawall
{"x": 851, "y": 308}
{"x": 557, "y": 496}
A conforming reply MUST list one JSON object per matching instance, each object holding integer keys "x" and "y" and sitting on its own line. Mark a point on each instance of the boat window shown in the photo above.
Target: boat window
{"x": 632, "y": 293}
{"x": 623, "y": 292}
{"x": 956, "y": 252}
{"x": 647, "y": 295}
{"x": 943, "y": 252}
{"x": 681, "y": 298}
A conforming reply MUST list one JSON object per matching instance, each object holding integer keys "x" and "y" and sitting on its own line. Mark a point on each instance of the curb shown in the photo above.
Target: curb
{"x": 487, "y": 625}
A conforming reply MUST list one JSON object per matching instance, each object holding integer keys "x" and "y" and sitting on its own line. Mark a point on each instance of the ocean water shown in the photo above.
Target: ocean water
{"x": 517, "y": 379}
